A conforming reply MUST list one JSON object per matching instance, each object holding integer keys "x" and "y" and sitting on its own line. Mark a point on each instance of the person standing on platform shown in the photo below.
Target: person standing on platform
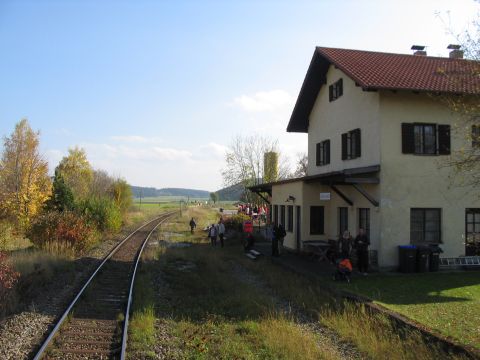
{"x": 361, "y": 245}
{"x": 212, "y": 234}
{"x": 221, "y": 231}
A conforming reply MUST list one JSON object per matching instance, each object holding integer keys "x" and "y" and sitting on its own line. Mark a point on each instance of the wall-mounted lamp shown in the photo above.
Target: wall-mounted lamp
{"x": 290, "y": 198}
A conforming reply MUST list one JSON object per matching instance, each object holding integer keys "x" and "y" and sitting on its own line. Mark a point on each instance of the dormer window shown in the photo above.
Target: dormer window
{"x": 335, "y": 90}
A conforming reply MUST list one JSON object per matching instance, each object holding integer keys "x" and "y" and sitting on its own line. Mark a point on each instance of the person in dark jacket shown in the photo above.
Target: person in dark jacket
{"x": 193, "y": 225}
{"x": 345, "y": 245}
{"x": 361, "y": 245}
{"x": 278, "y": 235}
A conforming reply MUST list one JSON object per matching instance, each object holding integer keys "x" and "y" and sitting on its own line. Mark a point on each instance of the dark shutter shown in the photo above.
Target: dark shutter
{"x": 318, "y": 154}
{"x": 330, "y": 93}
{"x": 340, "y": 88}
{"x": 344, "y": 146}
{"x": 408, "y": 140}
{"x": 326, "y": 150}
{"x": 358, "y": 143}
{"x": 444, "y": 139}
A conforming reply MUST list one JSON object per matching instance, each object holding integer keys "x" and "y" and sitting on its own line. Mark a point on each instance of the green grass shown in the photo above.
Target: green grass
{"x": 445, "y": 302}
{"x": 210, "y": 313}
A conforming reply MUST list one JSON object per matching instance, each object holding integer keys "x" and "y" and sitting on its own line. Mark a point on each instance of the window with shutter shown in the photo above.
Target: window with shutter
{"x": 323, "y": 153}
{"x": 425, "y": 139}
{"x": 408, "y": 142}
{"x": 444, "y": 139}
{"x": 476, "y": 136}
{"x": 351, "y": 145}
{"x": 335, "y": 90}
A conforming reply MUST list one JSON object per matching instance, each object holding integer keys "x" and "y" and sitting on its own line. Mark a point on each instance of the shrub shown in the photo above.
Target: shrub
{"x": 103, "y": 212}
{"x": 235, "y": 222}
{"x": 8, "y": 278}
{"x": 62, "y": 232}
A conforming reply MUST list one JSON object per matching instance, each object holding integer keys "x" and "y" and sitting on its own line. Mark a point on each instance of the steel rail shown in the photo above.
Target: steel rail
{"x": 130, "y": 294}
{"x": 59, "y": 323}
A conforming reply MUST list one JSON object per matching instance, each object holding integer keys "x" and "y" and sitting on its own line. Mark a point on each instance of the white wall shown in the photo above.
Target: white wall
{"x": 328, "y": 120}
{"x": 408, "y": 181}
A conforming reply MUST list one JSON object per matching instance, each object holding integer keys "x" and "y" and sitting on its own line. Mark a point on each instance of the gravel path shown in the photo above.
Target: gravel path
{"x": 326, "y": 338}
{"x": 21, "y": 334}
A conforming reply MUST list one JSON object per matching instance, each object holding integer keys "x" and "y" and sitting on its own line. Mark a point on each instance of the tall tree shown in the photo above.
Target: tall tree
{"x": 77, "y": 172}
{"x": 24, "y": 181}
{"x": 122, "y": 195}
{"x": 62, "y": 197}
{"x": 302, "y": 165}
{"x": 214, "y": 197}
{"x": 245, "y": 162}
{"x": 464, "y": 162}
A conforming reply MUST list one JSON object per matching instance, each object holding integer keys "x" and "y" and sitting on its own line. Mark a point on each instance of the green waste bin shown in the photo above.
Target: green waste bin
{"x": 407, "y": 258}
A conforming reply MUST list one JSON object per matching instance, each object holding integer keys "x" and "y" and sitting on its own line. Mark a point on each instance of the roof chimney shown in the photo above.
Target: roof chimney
{"x": 456, "y": 53}
{"x": 419, "y": 50}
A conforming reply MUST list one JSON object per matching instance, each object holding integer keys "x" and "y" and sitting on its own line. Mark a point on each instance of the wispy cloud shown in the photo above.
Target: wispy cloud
{"x": 264, "y": 101}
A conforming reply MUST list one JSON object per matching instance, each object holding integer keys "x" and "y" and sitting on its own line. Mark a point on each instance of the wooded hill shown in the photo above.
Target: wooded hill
{"x": 140, "y": 191}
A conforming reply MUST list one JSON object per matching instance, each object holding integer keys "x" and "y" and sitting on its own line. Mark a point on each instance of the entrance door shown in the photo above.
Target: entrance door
{"x": 298, "y": 229}
{"x": 364, "y": 220}
{"x": 342, "y": 220}
{"x": 472, "y": 232}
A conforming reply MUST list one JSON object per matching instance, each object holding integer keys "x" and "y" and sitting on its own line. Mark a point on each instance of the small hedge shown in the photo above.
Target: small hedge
{"x": 235, "y": 222}
{"x": 103, "y": 212}
{"x": 63, "y": 230}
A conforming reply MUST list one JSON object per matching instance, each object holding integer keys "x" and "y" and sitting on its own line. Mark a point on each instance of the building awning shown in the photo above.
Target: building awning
{"x": 353, "y": 176}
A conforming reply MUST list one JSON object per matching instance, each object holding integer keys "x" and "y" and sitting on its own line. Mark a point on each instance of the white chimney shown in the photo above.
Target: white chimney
{"x": 456, "y": 53}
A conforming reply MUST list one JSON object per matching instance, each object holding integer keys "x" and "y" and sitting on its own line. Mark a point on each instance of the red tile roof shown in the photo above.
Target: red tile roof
{"x": 377, "y": 70}
{"x": 384, "y": 71}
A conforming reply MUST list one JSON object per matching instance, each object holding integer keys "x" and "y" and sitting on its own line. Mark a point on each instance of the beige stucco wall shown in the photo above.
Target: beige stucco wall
{"x": 280, "y": 193}
{"x": 308, "y": 194}
{"x": 408, "y": 181}
{"x": 328, "y": 120}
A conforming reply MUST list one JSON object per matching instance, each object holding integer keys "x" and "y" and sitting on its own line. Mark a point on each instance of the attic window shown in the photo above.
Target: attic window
{"x": 335, "y": 90}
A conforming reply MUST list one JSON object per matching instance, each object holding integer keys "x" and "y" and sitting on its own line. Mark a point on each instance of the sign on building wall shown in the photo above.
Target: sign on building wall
{"x": 325, "y": 196}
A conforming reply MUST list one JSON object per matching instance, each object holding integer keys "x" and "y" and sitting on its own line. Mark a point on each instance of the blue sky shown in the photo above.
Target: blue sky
{"x": 155, "y": 90}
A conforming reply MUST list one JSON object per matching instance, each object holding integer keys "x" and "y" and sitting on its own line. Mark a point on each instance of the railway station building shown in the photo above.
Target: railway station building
{"x": 379, "y": 136}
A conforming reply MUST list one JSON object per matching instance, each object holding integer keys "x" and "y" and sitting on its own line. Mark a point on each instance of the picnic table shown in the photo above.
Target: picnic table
{"x": 317, "y": 248}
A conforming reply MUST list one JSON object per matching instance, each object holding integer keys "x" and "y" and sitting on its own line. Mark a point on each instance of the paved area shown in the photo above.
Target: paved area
{"x": 298, "y": 263}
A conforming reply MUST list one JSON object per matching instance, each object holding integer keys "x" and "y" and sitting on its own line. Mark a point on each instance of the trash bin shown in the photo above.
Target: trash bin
{"x": 435, "y": 252}
{"x": 423, "y": 257}
{"x": 407, "y": 258}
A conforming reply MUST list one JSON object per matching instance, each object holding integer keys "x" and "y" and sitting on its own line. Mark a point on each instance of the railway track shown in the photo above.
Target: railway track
{"x": 94, "y": 325}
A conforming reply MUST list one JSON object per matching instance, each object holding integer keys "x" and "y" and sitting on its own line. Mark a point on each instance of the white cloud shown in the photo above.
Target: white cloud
{"x": 171, "y": 154}
{"x": 272, "y": 100}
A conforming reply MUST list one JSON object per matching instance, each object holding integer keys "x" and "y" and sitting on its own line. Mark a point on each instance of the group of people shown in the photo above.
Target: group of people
{"x": 360, "y": 244}
{"x": 275, "y": 233}
{"x": 217, "y": 231}
{"x": 254, "y": 211}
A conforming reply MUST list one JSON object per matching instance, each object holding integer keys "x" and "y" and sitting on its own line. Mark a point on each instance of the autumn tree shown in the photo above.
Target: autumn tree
{"x": 245, "y": 162}
{"x": 122, "y": 195}
{"x": 464, "y": 162}
{"x": 77, "y": 172}
{"x": 24, "y": 181}
{"x": 302, "y": 165}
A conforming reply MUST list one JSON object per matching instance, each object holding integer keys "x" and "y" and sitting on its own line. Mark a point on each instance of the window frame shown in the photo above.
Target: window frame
{"x": 424, "y": 231}
{"x": 351, "y": 144}
{"x": 342, "y": 219}
{"x": 282, "y": 215}
{"x": 317, "y": 227}
{"x": 422, "y": 150}
{"x": 290, "y": 218}
{"x": 364, "y": 220}
{"x": 335, "y": 90}
{"x": 475, "y": 136}
{"x": 322, "y": 156}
